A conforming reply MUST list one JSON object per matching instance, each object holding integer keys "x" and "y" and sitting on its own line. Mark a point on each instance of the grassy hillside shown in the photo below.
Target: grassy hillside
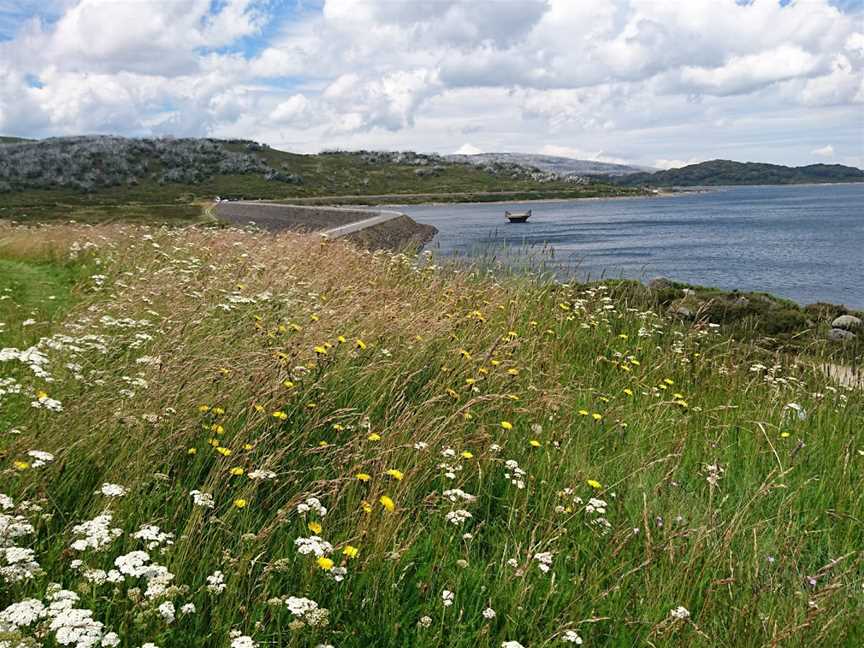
{"x": 727, "y": 172}
{"x": 110, "y": 179}
{"x": 500, "y": 459}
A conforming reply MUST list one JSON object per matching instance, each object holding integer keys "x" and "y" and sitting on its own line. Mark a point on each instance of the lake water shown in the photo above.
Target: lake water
{"x": 805, "y": 243}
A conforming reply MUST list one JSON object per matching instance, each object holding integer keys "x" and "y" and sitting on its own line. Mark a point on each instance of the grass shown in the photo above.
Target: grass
{"x": 716, "y": 495}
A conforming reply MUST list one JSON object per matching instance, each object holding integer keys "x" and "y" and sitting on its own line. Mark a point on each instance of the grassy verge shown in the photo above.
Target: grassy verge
{"x": 501, "y": 460}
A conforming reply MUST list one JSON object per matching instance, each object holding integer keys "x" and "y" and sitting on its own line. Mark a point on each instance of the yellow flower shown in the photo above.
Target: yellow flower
{"x": 225, "y": 452}
{"x": 350, "y": 551}
{"x": 218, "y": 411}
{"x": 465, "y": 354}
{"x": 467, "y": 455}
{"x": 314, "y": 318}
{"x": 398, "y": 475}
{"x": 596, "y": 416}
{"x": 387, "y": 503}
{"x": 669, "y": 381}
{"x": 360, "y": 344}
{"x": 628, "y": 391}
{"x": 21, "y": 465}
{"x": 203, "y": 408}
{"x": 240, "y": 503}
{"x": 325, "y": 563}
{"x": 279, "y": 414}
{"x": 513, "y": 371}
{"x": 374, "y": 437}
{"x": 363, "y": 477}
{"x": 452, "y": 393}
{"x": 467, "y": 416}
{"x": 192, "y": 451}
{"x": 507, "y": 425}
{"x": 593, "y": 483}
{"x": 623, "y": 336}
{"x": 784, "y": 435}
{"x": 287, "y": 384}
{"x": 320, "y": 350}
{"x": 41, "y": 395}
{"x": 311, "y": 405}
{"x": 214, "y": 442}
{"x": 218, "y": 429}
{"x": 258, "y": 408}
{"x": 366, "y": 506}
{"x": 470, "y": 381}
{"x": 495, "y": 363}
{"x": 534, "y": 443}
{"x": 314, "y": 527}
{"x": 341, "y": 339}
{"x": 338, "y": 427}
{"x": 247, "y": 446}
{"x": 236, "y": 471}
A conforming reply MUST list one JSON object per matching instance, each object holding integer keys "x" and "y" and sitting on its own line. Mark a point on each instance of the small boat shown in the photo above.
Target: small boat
{"x": 517, "y": 217}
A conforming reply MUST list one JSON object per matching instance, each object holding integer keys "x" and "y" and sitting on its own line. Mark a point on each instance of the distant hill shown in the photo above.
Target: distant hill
{"x": 12, "y": 140}
{"x": 551, "y": 163}
{"x": 58, "y": 177}
{"x": 727, "y": 172}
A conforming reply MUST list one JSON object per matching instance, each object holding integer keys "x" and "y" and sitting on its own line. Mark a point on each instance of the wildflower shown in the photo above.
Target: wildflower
{"x": 534, "y": 443}
{"x": 312, "y": 504}
{"x": 366, "y": 506}
{"x": 360, "y": 344}
{"x": 447, "y": 598}
{"x": 425, "y": 621}
{"x": 192, "y": 451}
{"x": 467, "y": 455}
{"x": 259, "y": 475}
{"x": 545, "y": 560}
{"x": 325, "y": 563}
{"x": 596, "y": 416}
{"x": 167, "y": 612}
{"x": 507, "y": 425}
{"x": 279, "y": 414}
{"x": 363, "y": 477}
{"x": 225, "y": 452}
{"x": 679, "y": 613}
{"x": 489, "y": 613}
{"x": 40, "y": 458}
{"x": 243, "y": 641}
{"x": 514, "y": 644}
{"x": 313, "y": 545}
{"x": 20, "y": 465}
{"x": 350, "y": 551}
{"x": 387, "y": 503}
{"x": 593, "y": 483}
{"x": 513, "y": 371}
{"x": 240, "y": 503}
{"x": 629, "y": 392}
{"x": 398, "y": 475}
{"x": 314, "y": 527}
{"x": 216, "y": 582}
{"x": 188, "y": 608}
{"x": 571, "y": 636}
{"x": 320, "y": 350}
{"x": 583, "y": 412}
{"x": 204, "y": 500}
{"x": 458, "y": 516}
{"x": 236, "y": 471}
{"x": 374, "y": 437}
{"x": 95, "y": 534}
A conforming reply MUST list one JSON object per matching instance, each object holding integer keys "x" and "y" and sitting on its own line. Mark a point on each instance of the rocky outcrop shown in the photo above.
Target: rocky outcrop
{"x": 840, "y": 335}
{"x": 847, "y": 323}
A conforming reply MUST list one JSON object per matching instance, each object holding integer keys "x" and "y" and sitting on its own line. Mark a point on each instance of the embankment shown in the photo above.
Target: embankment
{"x": 373, "y": 229}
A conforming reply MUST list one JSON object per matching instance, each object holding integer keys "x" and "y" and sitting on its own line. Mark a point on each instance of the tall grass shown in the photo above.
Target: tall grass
{"x": 658, "y": 466}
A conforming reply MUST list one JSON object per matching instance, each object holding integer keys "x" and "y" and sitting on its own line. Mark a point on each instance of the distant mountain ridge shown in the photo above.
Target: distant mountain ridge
{"x": 563, "y": 166}
{"x": 728, "y": 172}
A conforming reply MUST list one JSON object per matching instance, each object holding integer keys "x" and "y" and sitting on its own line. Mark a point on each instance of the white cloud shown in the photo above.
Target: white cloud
{"x": 825, "y": 151}
{"x": 468, "y": 149}
{"x": 640, "y": 78}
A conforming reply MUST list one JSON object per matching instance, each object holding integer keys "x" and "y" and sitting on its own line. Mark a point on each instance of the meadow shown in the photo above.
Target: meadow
{"x": 216, "y": 437}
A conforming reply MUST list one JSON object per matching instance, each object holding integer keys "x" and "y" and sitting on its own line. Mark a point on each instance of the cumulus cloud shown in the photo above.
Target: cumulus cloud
{"x": 468, "y": 149}
{"x": 826, "y": 151}
{"x": 634, "y": 76}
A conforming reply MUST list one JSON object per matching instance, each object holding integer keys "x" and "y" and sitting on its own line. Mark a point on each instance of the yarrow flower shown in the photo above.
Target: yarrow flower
{"x": 204, "y": 500}
{"x": 571, "y": 636}
{"x": 458, "y": 517}
{"x": 679, "y": 613}
{"x": 312, "y": 504}
{"x": 313, "y": 545}
{"x": 544, "y": 560}
{"x": 112, "y": 490}
{"x": 447, "y": 598}
{"x": 216, "y": 582}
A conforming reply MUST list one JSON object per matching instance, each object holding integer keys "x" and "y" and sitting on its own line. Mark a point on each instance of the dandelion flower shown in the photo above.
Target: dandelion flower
{"x": 593, "y": 483}
{"x": 534, "y": 443}
{"x": 398, "y": 475}
{"x": 225, "y": 452}
{"x": 360, "y": 344}
{"x": 314, "y": 527}
{"x": 320, "y": 350}
{"x": 366, "y": 506}
{"x": 583, "y": 412}
{"x": 596, "y": 416}
{"x": 240, "y": 503}
{"x": 467, "y": 455}
{"x": 350, "y": 551}
{"x": 363, "y": 477}
{"x": 21, "y": 465}
{"x": 325, "y": 563}
{"x": 374, "y": 437}
{"x": 192, "y": 451}
{"x": 236, "y": 471}
{"x": 387, "y": 503}
{"x": 279, "y": 414}
{"x": 507, "y": 425}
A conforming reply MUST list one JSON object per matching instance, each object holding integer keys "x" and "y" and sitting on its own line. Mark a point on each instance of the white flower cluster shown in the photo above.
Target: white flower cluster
{"x": 216, "y": 582}
{"x": 40, "y": 458}
{"x": 313, "y": 545}
{"x": 266, "y": 474}
{"x": 447, "y": 598}
{"x": 544, "y": 560}
{"x": 153, "y": 536}
{"x": 459, "y": 516}
{"x": 202, "y": 499}
{"x": 112, "y": 490}
{"x": 311, "y": 504}
{"x": 514, "y": 474}
{"x": 456, "y": 494}
{"x": 305, "y": 610}
{"x": 95, "y": 534}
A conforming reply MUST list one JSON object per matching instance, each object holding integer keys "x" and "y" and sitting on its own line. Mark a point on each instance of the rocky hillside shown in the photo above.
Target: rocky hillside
{"x": 727, "y": 172}
{"x": 563, "y": 166}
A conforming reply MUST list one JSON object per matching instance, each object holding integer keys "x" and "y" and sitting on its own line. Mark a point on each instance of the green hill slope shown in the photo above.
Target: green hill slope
{"x": 727, "y": 172}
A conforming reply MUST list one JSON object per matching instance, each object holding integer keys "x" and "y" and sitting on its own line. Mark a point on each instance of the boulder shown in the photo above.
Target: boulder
{"x": 847, "y": 323}
{"x": 839, "y": 335}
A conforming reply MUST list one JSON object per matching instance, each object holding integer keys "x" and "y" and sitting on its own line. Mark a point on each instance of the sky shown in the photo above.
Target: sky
{"x": 659, "y": 83}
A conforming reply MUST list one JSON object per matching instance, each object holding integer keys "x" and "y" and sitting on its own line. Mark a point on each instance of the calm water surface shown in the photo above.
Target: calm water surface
{"x": 801, "y": 242}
